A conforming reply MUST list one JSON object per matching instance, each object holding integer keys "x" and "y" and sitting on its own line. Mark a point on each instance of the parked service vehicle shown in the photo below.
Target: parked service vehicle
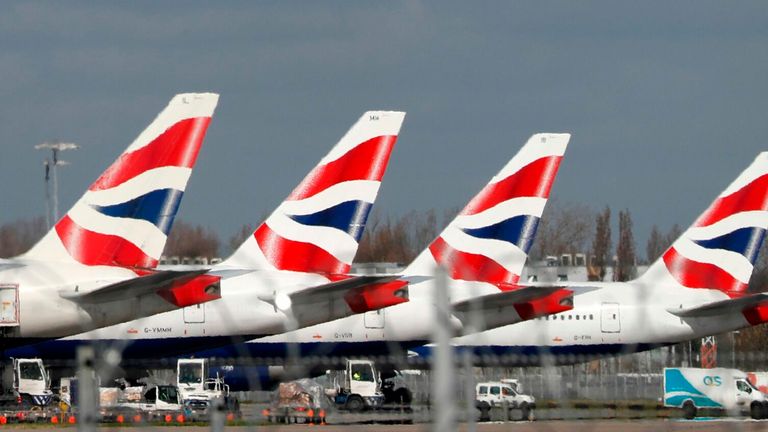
{"x": 358, "y": 388}
{"x": 26, "y": 383}
{"x": 503, "y": 395}
{"x": 151, "y": 403}
{"x": 199, "y": 391}
{"x": 693, "y": 389}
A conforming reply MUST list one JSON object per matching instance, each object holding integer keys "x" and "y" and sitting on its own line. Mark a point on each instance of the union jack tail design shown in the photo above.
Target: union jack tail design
{"x": 125, "y": 216}
{"x": 719, "y": 250}
{"x": 317, "y": 229}
{"x": 489, "y": 240}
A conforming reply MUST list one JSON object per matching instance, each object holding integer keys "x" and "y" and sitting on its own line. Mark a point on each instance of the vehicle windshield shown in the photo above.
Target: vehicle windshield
{"x": 190, "y": 374}
{"x": 30, "y": 371}
{"x": 362, "y": 372}
{"x": 168, "y": 394}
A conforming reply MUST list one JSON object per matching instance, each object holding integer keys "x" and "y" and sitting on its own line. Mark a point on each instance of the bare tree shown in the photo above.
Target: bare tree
{"x": 239, "y": 237}
{"x": 19, "y": 236}
{"x": 192, "y": 241}
{"x": 600, "y": 254}
{"x": 656, "y": 245}
{"x": 563, "y": 228}
{"x": 625, "y": 249}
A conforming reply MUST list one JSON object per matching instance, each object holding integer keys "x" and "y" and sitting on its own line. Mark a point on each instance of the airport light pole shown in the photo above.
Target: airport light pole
{"x": 50, "y": 168}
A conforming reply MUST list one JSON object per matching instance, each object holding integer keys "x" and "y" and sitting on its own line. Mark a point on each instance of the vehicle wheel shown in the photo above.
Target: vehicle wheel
{"x": 485, "y": 411}
{"x": 756, "y": 410}
{"x": 355, "y": 404}
{"x": 526, "y": 411}
{"x": 689, "y": 410}
{"x": 403, "y": 396}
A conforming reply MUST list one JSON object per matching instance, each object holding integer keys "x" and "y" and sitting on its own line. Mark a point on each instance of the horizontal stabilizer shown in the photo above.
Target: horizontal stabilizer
{"x": 346, "y": 297}
{"x": 180, "y": 288}
{"x": 510, "y": 307}
{"x": 722, "y": 307}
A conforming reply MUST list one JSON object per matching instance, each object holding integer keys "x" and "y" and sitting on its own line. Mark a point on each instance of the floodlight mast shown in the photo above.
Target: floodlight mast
{"x": 51, "y": 164}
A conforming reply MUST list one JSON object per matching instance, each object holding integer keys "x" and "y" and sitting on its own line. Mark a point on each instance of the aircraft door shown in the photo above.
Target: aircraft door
{"x": 609, "y": 318}
{"x": 374, "y": 319}
{"x": 194, "y": 313}
{"x": 9, "y": 304}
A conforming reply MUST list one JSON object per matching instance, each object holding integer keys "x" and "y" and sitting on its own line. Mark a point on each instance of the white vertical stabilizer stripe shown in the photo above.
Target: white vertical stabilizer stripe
{"x": 370, "y": 125}
{"x": 533, "y": 206}
{"x": 538, "y": 146}
{"x": 733, "y": 263}
{"x": 338, "y": 243}
{"x": 142, "y": 184}
{"x": 736, "y": 221}
{"x": 362, "y": 190}
{"x": 141, "y": 233}
{"x": 758, "y": 168}
{"x": 506, "y": 254}
{"x": 181, "y": 107}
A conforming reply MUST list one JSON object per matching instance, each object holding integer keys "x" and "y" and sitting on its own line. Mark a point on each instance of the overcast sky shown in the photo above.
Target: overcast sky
{"x": 666, "y": 101}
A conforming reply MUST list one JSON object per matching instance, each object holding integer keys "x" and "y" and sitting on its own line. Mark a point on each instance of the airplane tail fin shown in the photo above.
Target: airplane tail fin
{"x": 719, "y": 250}
{"x": 490, "y": 238}
{"x": 124, "y": 217}
{"x": 317, "y": 229}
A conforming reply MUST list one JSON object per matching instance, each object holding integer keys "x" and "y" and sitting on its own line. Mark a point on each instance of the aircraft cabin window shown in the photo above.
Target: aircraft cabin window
{"x": 577, "y": 317}
{"x": 591, "y": 317}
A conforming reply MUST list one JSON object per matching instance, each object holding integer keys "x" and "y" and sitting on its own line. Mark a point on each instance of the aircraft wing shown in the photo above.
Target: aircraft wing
{"x": 510, "y": 307}
{"x": 346, "y": 297}
{"x": 179, "y": 288}
{"x": 735, "y": 305}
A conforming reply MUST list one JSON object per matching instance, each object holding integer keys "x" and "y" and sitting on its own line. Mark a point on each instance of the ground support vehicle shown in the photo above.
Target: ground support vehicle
{"x": 25, "y": 384}
{"x": 500, "y": 398}
{"x": 719, "y": 389}
{"x": 25, "y": 392}
{"x": 200, "y": 392}
{"x": 300, "y": 401}
{"x": 357, "y": 388}
{"x": 156, "y": 403}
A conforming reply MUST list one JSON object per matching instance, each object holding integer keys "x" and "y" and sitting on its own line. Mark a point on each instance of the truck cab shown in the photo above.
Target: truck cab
{"x": 198, "y": 390}
{"x": 162, "y": 398}
{"x": 31, "y": 382}
{"x": 359, "y": 388}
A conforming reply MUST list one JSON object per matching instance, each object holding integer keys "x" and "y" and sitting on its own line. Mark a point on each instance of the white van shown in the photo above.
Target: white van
{"x": 500, "y": 394}
{"x": 718, "y": 389}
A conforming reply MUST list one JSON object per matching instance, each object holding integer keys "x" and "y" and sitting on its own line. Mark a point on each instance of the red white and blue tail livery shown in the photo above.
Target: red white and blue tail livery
{"x": 125, "y": 216}
{"x": 719, "y": 250}
{"x": 317, "y": 229}
{"x": 490, "y": 239}
{"x": 95, "y": 267}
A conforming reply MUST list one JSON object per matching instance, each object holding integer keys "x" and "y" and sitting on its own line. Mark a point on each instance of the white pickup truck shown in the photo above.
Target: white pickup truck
{"x": 498, "y": 394}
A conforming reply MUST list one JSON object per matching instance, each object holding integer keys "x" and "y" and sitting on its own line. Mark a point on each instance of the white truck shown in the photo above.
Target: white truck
{"x": 358, "y": 388}
{"x": 694, "y": 389}
{"x": 26, "y": 383}
{"x": 504, "y": 395}
{"x": 199, "y": 391}
{"x": 149, "y": 403}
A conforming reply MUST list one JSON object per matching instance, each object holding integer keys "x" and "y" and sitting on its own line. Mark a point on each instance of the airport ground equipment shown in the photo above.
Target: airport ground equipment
{"x": 718, "y": 389}
{"x": 201, "y": 389}
{"x": 150, "y": 403}
{"x": 358, "y": 388}
{"x": 300, "y": 401}
{"x": 25, "y": 382}
{"x": 503, "y": 395}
